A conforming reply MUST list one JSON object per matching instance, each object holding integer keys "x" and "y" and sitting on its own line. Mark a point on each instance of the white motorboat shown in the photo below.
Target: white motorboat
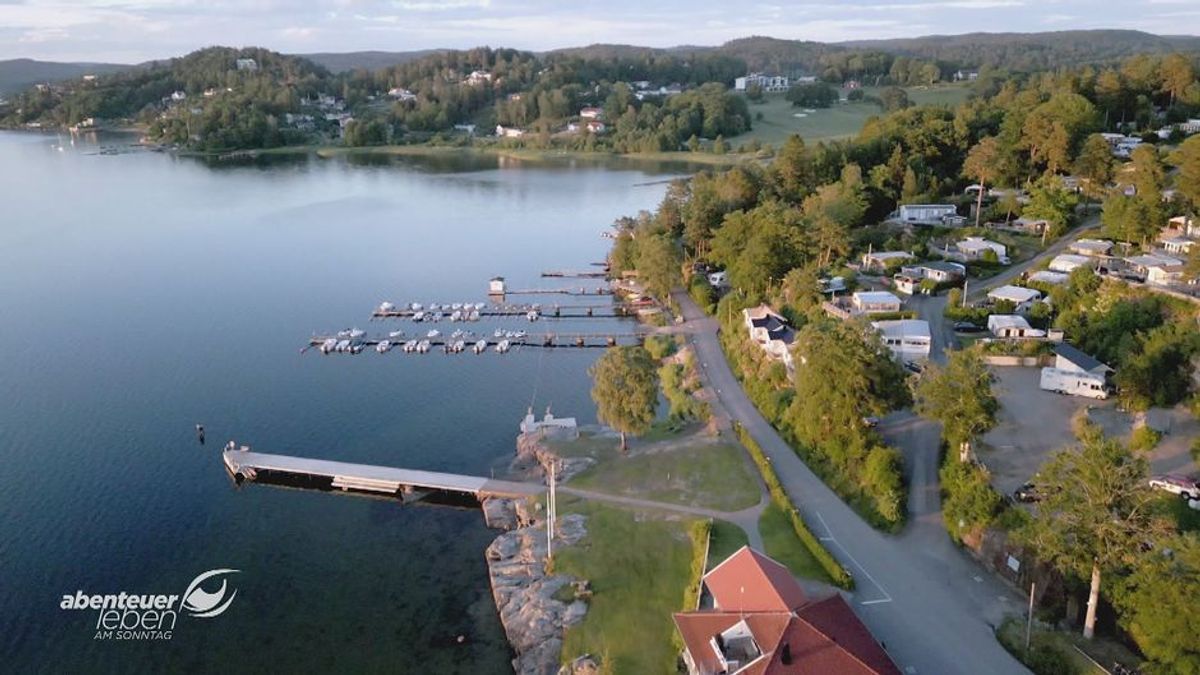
{"x": 456, "y": 306}
{"x": 532, "y": 315}
{"x": 396, "y": 334}
{"x": 328, "y": 345}
{"x": 456, "y": 316}
{"x": 386, "y": 307}
{"x": 416, "y": 307}
{"x": 356, "y": 347}
{"x": 437, "y": 316}
{"x": 459, "y": 346}
{"x": 433, "y": 307}
{"x": 383, "y": 347}
{"x": 503, "y": 346}
{"x": 474, "y": 316}
{"x": 456, "y": 334}
{"x": 520, "y": 335}
{"x": 479, "y": 347}
{"x": 410, "y": 346}
{"x": 418, "y": 315}
{"x": 355, "y": 334}
{"x": 342, "y": 346}
{"x": 423, "y": 346}
{"x": 433, "y": 334}
{"x": 344, "y": 333}
{"x": 478, "y": 306}
{"x": 498, "y": 334}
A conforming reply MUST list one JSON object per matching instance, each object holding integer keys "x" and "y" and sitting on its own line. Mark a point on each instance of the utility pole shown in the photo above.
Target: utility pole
{"x": 1029, "y": 621}
{"x": 551, "y": 513}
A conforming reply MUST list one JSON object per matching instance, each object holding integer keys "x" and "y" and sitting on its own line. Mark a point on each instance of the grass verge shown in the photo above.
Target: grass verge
{"x": 641, "y": 569}
{"x": 783, "y": 544}
{"x": 725, "y": 539}
{"x": 1054, "y": 652}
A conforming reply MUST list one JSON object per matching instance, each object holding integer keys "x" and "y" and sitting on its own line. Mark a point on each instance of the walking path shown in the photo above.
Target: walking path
{"x": 932, "y": 607}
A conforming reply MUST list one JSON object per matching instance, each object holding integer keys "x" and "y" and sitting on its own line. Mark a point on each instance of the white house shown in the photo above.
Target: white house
{"x": 772, "y": 83}
{"x": 926, "y": 214}
{"x": 591, "y": 113}
{"x": 1158, "y": 270}
{"x": 909, "y": 339}
{"x": 247, "y": 64}
{"x": 1023, "y": 298}
{"x": 1091, "y": 247}
{"x": 479, "y": 77}
{"x": 1048, "y": 277}
{"x": 973, "y": 248}
{"x": 1028, "y": 225}
{"x": 939, "y": 271}
{"x": 401, "y": 94}
{"x": 509, "y": 132}
{"x": 1185, "y": 225}
{"x": 874, "y": 302}
{"x": 882, "y": 259}
{"x": 1178, "y": 245}
{"x": 1012, "y": 326}
{"x": 1068, "y": 262}
{"x": 770, "y": 332}
{"x": 178, "y": 96}
{"x": 549, "y": 424}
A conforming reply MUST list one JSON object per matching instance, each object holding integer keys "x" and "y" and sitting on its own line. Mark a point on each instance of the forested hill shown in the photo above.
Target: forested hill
{"x": 341, "y": 62}
{"x": 19, "y": 74}
{"x": 1032, "y": 51}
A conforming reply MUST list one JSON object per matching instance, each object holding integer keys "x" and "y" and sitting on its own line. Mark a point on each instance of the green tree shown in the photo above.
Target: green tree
{"x": 1177, "y": 75}
{"x": 658, "y": 264}
{"x": 719, "y": 147}
{"x": 625, "y": 389}
{"x": 1158, "y": 371}
{"x": 959, "y": 395}
{"x": 1188, "y": 180}
{"x": 1050, "y": 202}
{"x": 1095, "y": 164}
{"x": 983, "y": 164}
{"x": 1160, "y": 611}
{"x": 1096, "y": 512}
{"x": 893, "y": 99}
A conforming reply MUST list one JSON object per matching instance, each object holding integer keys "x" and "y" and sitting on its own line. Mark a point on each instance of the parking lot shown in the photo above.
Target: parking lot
{"x": 1033, "y": 424}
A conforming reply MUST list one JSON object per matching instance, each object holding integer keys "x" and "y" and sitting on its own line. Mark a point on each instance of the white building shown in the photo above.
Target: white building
{"x": 509, "y": 132}
{"x": 1069, "y": 262}
{"x": 247, "y": 64}
{"x": 1023, "y": 298}
{"x": 1048, "y": 277}
{"x": 1178, "y": 245}
{"x": 874, "y": 302}
{"x": 909, "y": 339}
{"x": 1157, "y": 270}
{"x": 1012, "y": 326}
{"x": 926, "y": 214}
{"x": 401, "y": 94}
{"x": 770, "y": 332}
{"x": 1075, "y": 373}
{"x": 1091, "y": 247}
{"x": 549, "y": 424}
{"x": 178, "y": 96}
{"x": 882, "y": 259}
{"x": 479, "y": 77}
{"x": 973, "y": 248}
{"x": 939, "y": 271}
{"x": 591, "y": 113}
{"x": 773, "y": 83}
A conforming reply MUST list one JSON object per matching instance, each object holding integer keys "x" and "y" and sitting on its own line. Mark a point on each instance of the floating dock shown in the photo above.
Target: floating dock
{"x": 246, "y": 465}
{"x": 521, "y": 312}
{"x": 547, "y": 340}
{"x": 576, "y": 274}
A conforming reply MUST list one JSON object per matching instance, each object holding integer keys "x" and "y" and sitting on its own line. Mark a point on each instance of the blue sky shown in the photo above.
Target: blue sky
{"x": 136, "y": 30}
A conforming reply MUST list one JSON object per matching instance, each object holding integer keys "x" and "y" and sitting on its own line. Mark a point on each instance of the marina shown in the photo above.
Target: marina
{"x": 500, "y": 341}
{"x": 243, "y": 464}
{"x": 476, "y": 311}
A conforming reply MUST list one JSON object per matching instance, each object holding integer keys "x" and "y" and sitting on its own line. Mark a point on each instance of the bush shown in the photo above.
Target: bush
{"x": 660, "y": 346}
{"x": 1144, "y": 438}
{"x": 969, "y": 503}
{"x": 703, "y": 294}
{"x": 840, "y": 575}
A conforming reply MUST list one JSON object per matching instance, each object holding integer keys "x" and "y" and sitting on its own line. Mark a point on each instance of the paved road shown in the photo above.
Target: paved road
{"x": 932, "y": 607}
{"x": 1015, "y": 271}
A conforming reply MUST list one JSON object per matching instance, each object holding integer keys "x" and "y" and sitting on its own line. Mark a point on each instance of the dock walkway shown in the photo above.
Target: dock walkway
{"x": 245, "y": 464}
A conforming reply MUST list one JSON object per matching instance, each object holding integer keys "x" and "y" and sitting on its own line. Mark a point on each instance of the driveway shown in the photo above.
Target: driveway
{"x": 930, "y": 605}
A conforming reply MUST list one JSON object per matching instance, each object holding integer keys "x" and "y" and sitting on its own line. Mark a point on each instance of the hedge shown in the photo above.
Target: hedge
{"x": 840, "y": 575}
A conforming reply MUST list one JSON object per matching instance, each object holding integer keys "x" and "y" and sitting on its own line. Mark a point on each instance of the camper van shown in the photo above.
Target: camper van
{"x": 1074, "y": 382}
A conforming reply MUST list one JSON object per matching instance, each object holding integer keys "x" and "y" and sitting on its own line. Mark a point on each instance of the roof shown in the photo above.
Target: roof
{"x": 1083, "y": 361}
{"x": 978, "y": 243}
{"x": 1017, "y": 294}
{"x": 887, "y": 255}
{"x": 876, "y": 296}
{"x": 750, "y": 581}
{"x": 1001, "y": 321}
{"x": 1071, "y": 258}
{"x": 1092, "y": 244}
{"x": 910, "y": 328}
{"x": 929, "y": 206}
{"x": 1048, "y": 277}
{"x": 942, "y": 266}
{"x": 1154, "y": 261}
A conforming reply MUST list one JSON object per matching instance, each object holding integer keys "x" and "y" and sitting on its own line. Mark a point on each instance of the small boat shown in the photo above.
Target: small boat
{"x": 433, "y": 307}
{"x": 386, "y": 307}
{"x": 410, "y": 346}
{"x": 456, "y": 334}
{"x": 356, "y": 347}
{"x": 344, "y": 333}
{"x": 503, "y": 346}
{"x": 423, "y": 346}
{"x": 456, "y": 306}
{"x": 328, "y": 345}
{"x": 342, "y": 346}
{"x": 479, "y": 347}
{"x": 520, "y": 335}
{"x": 396, "y": 334}
{"x": 478, "y": 306}
{"x": 532, "y": 315}
{"x": 437, "y": 316}
{"x": 498, "y": 334}
{"x": 433, "y": 334}
{"x": 356, "y": 334}
{"x": 456, "y": 316}
{"x": 383, "y": 347}
{"x": 419, "y": 315}
{"x": 459, "y": 346}
{"x": 474, "y": 316}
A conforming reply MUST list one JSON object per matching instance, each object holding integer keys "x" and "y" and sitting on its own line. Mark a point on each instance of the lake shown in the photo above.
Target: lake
{"x": 142, "y": 293}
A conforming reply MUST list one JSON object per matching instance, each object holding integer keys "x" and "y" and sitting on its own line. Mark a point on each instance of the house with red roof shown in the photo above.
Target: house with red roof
{"x": 760, "y": 622}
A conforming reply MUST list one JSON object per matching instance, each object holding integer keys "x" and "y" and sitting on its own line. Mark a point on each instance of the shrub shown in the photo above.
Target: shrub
{"x": 703, "y": 294}
{"x": 1144, "y": 438}
{"x": 968, "y": 500}
{"x": 660, "y": 346}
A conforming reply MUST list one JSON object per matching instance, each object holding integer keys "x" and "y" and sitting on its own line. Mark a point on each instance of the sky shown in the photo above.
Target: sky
{"x": 131, "y": 31}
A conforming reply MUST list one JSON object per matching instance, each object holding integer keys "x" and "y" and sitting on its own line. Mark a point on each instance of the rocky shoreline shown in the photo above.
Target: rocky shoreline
{"x": 535, "y": 607}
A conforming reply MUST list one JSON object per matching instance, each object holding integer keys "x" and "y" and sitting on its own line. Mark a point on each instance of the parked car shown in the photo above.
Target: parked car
{"x": 1185, "y": 487}
{"x": 870, "y": 422}
{"x": 915, "y": 368}
{"x": 1027, "y": 494}
{"x": 968, "y": 327}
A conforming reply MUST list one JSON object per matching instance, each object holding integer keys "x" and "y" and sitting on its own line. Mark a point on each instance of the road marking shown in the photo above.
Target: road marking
{"x": 887, "y": 596}
{"x": 874, "y": 602}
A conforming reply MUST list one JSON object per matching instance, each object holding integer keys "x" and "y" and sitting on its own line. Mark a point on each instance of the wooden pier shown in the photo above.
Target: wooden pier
{"x": 521, "y": 312}
{"x": 244, "y": 464}
{"x": 546, "y": 340}
{"x": 576, "y": 274}
{"x": 589, "y": 292}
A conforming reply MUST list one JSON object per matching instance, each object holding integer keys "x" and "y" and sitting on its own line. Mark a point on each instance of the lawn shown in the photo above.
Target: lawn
{"x": 725, "y": 539}
{"x": 1045, "y": 643}
{"x": 640, "y": 571}
{"x": 783, "y": 545}
{"x": 704, "y": 474}
{"x": 840, "y": 121}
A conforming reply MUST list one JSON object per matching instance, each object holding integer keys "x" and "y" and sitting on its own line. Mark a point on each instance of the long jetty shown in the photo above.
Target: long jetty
{"x": 244, "y": 465}
{"x": 539, "y": 311}
{"x": 547, "y": 340}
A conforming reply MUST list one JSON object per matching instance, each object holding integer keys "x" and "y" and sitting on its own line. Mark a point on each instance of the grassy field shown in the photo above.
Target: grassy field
{"x": 726, "y": 538}
{"x": 783, "y": 545}
{"x": 709, "y": 475}
{"x": 639, "y": 568}
{"x": 841, "y": 121}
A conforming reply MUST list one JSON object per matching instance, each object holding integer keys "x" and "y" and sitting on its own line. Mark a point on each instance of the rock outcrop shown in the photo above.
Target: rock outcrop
{"x": 534, "y": 454}
{"x": 528, "y": 599}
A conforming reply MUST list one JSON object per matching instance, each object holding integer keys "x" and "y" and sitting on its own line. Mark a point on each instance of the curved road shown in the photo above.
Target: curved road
{"x": 931, "y": 606}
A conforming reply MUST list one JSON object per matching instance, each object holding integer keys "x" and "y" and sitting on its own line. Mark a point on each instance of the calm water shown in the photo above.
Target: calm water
{"x": 142, "y": 293}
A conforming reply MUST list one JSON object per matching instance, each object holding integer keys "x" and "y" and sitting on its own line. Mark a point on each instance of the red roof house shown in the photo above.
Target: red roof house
{"x": 762, "y": 623}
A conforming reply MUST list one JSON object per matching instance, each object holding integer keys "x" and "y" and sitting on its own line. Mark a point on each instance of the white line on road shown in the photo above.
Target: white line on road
{"x": 874, "y": 602}
{"x": 887, "y": 596}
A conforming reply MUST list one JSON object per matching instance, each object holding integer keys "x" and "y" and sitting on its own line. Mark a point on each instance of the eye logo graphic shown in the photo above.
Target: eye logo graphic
{"x": 203, "y": 604}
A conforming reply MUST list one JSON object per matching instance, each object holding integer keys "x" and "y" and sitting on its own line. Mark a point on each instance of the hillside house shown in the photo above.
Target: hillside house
{"x": 1022, "y": 297}
{"x": 909, "y": 339}
{"x": 975, "y": 248}
{"x": 591, "y": 113}
{"x": 1012, "y": 326}
{"x": 929, "y": 214}
{"x": 770, "y": 332}
{"x": 1048, "y": 277}
{"x": 771, "y": 83}
{"x": 874, "y": 302}
{"x": 1157, "y": 270}
{"x": 754, "y": 619}
{"x": 882, "y": 260}
{"x": 1091, "y": 247}
{"x": 1181, "y": 246}
{"x": 1069, "y": 262}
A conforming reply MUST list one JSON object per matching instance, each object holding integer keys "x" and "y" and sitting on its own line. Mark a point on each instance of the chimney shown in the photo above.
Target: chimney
{"x": 786, "y": 656}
